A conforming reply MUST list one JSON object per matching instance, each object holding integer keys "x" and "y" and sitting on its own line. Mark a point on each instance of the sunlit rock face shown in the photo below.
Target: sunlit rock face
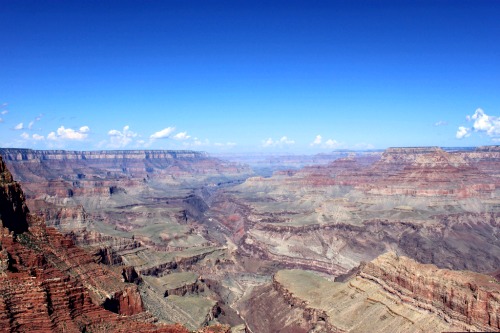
{"x": 47, "y": 284}
{"x": 206, "y": 241}
{"x": 141, "y": 213}
{"x": 436, "y": 206}
{"x": 391, "y": 293}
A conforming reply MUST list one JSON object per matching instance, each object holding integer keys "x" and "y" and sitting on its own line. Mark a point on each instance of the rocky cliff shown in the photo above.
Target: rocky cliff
{"x": 391, "y": 293}
{"x": 47, "y": 284}
{"x": 466, "y": 299}
{"x": 32, "y": 165}
{"x": 13, "y": 209}
{"x": 435, "y": 206}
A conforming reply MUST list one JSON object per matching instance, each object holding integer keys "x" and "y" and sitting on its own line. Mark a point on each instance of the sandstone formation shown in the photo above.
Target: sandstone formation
{"x": 392, "y": 293}
{"x": 49, "y": 285}
{"x": 139, "y": 210}
{"x": 200, "y": 241}
{"x": 432, "y": 205}
{"x": 466, "y": 299}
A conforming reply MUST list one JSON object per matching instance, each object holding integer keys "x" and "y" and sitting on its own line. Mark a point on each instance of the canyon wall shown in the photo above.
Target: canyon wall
{"x": 391, "y": 293}
{"x": 49, "y": 285}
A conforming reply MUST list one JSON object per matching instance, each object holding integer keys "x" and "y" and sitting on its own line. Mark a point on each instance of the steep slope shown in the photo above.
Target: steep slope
{"x": 432, "y": 205}
{"x": 390, "y": 294}
{"x": 127, "y": 207}
{"x": 49, "y": 285}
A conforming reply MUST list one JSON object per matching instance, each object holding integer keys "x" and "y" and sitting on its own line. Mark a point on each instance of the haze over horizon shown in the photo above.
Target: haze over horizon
{"x": 241, "y": 76}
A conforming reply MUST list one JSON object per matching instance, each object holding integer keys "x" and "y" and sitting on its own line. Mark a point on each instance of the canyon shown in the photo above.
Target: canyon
{"x": 404, "y": 239}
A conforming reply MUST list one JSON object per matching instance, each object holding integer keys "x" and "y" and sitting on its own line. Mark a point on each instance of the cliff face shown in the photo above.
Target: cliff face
{"x": 391, "y": 293}
{"x": 464, "y": 298}
{"x": 13, "y": 210}
{"x": 435, "y": 206}
{"x": 62, "y": 185}
{"x": 49, "y": 285}
{"x": 36, "y": 165}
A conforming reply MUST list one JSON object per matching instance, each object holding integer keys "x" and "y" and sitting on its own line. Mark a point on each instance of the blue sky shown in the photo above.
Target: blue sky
{"x": 247, "y": 76}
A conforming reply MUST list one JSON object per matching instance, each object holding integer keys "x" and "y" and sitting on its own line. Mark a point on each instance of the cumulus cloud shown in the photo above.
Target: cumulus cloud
{"x": 463, "y": 132}
{"x": 440, "y": 123}
{"x": 164, "y": 133}
{"x": 482, "y": 123}
{"x": 19, "y": 126}
{"x": 198, "y": 142}
{"x": 332, "y": 143}
{"x": 283, "y": 141}
{"x": 63, "y": 133}
{"x": 317, "y": 141}
{"x": 181, "y": 136}
{"x": 120, "y": 139}
{"x": 34, "y": 137}
{"x": 38, "y": 137}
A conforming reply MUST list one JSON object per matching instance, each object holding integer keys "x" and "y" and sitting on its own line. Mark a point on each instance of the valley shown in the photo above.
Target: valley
{"x": 405, "y": 239}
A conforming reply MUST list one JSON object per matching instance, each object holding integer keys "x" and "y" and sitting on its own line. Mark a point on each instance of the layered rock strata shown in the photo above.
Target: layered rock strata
{"x": 49, "y": 285}
{"x": 391, "y": 293}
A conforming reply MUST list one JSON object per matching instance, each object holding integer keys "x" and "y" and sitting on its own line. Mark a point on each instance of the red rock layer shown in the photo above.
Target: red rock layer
{"x": 47, "y": 284}
{"x": 461, "y": 297}
{"x": 426, "y": 171}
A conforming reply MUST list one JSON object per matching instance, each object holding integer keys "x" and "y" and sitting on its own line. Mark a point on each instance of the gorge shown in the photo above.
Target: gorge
{"x": 400, "y": 240}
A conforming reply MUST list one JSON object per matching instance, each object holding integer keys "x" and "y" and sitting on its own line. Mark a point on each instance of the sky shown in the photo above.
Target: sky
{"x": 249, "y": 76}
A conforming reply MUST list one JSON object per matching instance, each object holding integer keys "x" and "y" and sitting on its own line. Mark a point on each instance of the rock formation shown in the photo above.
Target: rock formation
{"x": 49, "y": 285}
{"x": 194, "y": 239}
{"x": 433, "y": 205}
{"x": 392, "y": 293}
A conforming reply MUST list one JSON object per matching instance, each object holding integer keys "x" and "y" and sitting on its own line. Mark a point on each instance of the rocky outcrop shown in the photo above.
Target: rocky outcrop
{"x": 34, "y": 165}
{"x": 434, "y": 205}
{"x": 47, "y": 284}
{"x": 13, "y": 209}
{"x": 464, "y": 298}
{"x": 391, "y": 293}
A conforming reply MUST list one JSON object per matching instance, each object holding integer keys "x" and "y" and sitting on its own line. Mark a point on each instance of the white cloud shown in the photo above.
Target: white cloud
{"x": 317, "y": 141}
{"x": 164, "y": 133}
{"x": 198, "y": 142}
{"x": 485, "y": 123}
{"x": 5, "y": 112}
{"x": 1, "y": 120}
{"x": 181, "y": 136}
{"x": 332, "y": 143}
{"x": 463, "y": 132}
{"x": 63, "y": 133}
{"x": 120, "y": 139}
{"x": 284, "y": 141}
{"x": 19, "y": 126}
{"x": 440, "y": 123}
{"x": 482, "y": 123}
{"x": 35, "y": 137}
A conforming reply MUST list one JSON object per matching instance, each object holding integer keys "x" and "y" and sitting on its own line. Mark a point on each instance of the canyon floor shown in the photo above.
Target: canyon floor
{"x": 401, "y": 240}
